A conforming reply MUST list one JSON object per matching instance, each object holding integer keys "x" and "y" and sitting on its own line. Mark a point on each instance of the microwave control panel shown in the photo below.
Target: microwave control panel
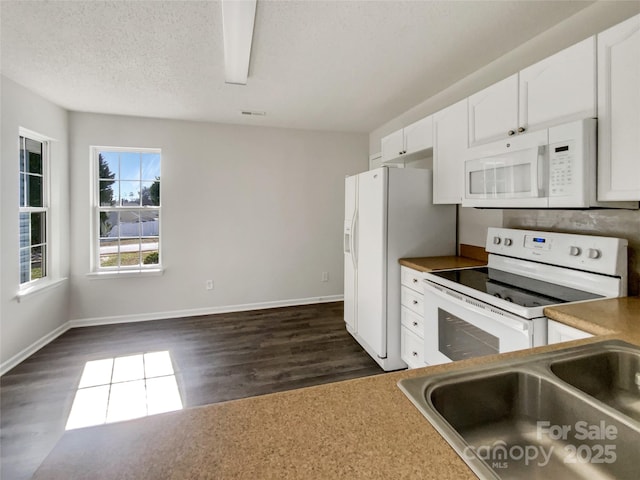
{"x": 562, "y": 168}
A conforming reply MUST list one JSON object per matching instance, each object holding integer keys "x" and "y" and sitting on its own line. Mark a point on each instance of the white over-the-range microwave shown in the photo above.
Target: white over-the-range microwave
{"x": 550, "y": 168}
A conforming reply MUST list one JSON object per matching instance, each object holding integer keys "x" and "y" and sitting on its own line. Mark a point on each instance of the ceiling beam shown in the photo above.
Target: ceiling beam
{"x": 238, "y": 18}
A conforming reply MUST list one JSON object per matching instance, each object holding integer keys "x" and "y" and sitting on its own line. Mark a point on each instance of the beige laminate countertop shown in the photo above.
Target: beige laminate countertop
{"x": 614, "y": 316}
{"x": 357, "y": 429}
{"x": 430, "y": 264}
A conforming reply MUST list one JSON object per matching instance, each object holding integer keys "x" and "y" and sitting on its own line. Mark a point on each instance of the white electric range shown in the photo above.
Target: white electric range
{"x": 499, "y": 308}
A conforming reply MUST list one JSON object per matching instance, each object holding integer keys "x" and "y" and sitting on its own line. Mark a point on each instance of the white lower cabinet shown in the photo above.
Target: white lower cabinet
{"x": 412, "y": 318}
{"x": 559, "y": 332}
{"x": 412, "y": 348}
{"x": 413, "y": 321}
{"x": 412, "y": 300}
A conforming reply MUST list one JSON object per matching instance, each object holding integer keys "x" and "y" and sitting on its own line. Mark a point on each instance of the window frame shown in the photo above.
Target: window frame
{"x": 96, "y": 209}
{"x": 46, "y": 209}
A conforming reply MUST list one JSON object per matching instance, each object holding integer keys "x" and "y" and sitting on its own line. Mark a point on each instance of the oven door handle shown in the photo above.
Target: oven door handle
{"x": 476, "y": 306}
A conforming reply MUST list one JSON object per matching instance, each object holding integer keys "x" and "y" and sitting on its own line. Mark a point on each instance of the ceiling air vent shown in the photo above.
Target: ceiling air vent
{"x": 250, "y": 112}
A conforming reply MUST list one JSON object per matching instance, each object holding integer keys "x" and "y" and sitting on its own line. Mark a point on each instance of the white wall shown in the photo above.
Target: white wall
{"x": 473, "y": 223}
{"x": 24, "y": 323}
{"x": 258, "y": 210}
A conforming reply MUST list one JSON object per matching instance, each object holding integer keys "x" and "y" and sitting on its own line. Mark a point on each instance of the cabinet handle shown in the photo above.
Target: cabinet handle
{"x": 415, "y": 354}
{"x": 404, "y": 151}
{"x": 415, "y": 302}
{"x": 415, "y": 280}
{"x": 521, "y": 129}
{"x": 511, "y": 132}
{"x": 415, "y": 324}
{"x": 400, "y": 153}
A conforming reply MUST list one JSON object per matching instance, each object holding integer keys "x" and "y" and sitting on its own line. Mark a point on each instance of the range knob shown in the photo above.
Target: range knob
{"x": 496, "y": 240}
{"x": 594, "y": 253}
{"x": 508, "y": 242}
{"x": 574, "y": 251}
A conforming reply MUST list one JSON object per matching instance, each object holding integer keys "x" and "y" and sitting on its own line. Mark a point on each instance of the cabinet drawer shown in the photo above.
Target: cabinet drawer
{"x": 411, "y": 278}
{"x": 412, "y": 349}
{"x": 412, "y": 300}
{"x": 412, "y": 321}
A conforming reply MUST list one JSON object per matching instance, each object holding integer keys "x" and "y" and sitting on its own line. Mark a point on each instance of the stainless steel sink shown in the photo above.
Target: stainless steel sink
{"x": 546, "y": 416}
{"x": 613, "y": 377}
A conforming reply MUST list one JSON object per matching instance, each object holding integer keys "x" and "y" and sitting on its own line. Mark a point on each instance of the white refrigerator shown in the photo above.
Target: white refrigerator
{"x": 389, "y": 214}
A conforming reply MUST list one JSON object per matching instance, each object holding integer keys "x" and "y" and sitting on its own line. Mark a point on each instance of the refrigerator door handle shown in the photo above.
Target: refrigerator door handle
{"x": 354, "y": 239}
{"x": 347, "y": 243}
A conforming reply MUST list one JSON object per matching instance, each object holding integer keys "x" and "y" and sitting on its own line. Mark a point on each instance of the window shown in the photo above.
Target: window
{"x": 127, "y": 220}
{"x": 33, "y": 211}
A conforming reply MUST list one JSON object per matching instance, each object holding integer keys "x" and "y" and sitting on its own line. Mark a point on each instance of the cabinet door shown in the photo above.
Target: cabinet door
{"x": 560, "y": 88}
{"x": 559, "y": 332}
{"x": 619, "y": 112}
{"x": 392, "y": 146}
{"x": 449, "y": 153}
{"x": 493, "y": 112}
{"x": 419, "y": 135}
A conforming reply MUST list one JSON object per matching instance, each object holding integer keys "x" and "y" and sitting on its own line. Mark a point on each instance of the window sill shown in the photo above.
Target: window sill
{"x": 151, "y": 272}
{"x": 38, "y": 288}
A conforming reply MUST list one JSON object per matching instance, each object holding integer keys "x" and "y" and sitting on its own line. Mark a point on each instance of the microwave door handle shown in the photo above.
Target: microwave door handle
{"x": 541, "y": 177}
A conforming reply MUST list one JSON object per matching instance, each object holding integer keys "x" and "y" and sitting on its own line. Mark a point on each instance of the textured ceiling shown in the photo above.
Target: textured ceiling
{"x": 337, "y": 65}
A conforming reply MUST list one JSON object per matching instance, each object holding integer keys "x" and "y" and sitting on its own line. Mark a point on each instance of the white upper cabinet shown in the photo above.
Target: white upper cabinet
{"x": 560, "y": 88}
{"x": 449, "y": 153}
{"x": 407, "y": 143}
{"x": 619, "y": 112}
{"x": 392, "y": 146}
{"x": 493, "y": 112}
{"x": 418, "y": 136}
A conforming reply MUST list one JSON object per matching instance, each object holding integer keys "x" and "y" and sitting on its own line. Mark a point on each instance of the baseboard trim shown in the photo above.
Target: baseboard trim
{"x": 144, "y": 317}
{"x": 194, "y": 312}
{"x": 33, "y": 348}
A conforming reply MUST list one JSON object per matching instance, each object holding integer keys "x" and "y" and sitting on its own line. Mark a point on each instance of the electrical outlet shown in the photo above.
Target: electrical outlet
{"x": 325, "y": 277}
{"x": 209, "y": 285}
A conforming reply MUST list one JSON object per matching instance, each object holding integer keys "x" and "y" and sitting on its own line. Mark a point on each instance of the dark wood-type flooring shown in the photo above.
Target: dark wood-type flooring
{"x": 216, "y": 358}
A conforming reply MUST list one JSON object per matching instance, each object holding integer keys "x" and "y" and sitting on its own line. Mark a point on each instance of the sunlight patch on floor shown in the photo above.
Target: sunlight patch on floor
{"x": 123, "y": 388}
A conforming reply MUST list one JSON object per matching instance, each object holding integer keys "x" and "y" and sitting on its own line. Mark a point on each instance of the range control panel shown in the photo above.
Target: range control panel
{"x": 592, "y": 253}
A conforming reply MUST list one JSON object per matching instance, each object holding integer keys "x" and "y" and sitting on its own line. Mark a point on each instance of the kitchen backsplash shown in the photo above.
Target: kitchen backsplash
{"x": 608, "y": 223}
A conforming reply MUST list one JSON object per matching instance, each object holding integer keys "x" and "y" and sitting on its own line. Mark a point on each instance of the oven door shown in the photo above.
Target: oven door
{"x": 458, "y": 327}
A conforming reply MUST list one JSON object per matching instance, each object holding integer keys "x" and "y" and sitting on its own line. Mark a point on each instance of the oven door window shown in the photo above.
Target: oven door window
{"x": 457, "y": 328}
{"x": 459, "y": 340}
